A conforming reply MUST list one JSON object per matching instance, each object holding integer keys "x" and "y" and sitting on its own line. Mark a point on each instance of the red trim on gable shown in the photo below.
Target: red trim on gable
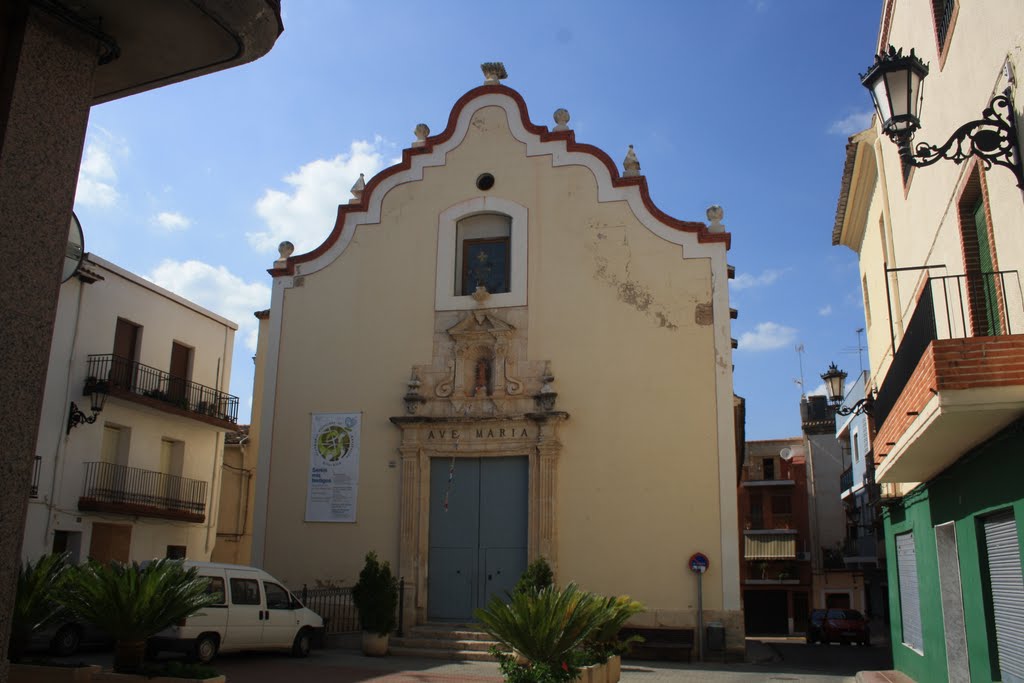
{"x": 700, "y": 229}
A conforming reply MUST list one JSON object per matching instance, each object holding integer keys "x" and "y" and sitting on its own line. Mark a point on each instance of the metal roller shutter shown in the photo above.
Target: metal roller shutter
{"x": 910, "y": 602}
{"x": 1007, "y": 594}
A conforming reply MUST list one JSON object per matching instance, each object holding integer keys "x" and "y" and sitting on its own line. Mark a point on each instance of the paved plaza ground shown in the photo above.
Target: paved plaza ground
{"x": 774, "y": 660}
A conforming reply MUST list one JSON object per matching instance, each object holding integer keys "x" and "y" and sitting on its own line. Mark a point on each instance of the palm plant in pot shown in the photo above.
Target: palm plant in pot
{"x": 132, "y": 602}
{"x": 35, "y": 601}
{"x": 375, "y": 596}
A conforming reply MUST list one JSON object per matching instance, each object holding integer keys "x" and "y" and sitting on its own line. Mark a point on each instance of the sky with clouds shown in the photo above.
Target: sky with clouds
{"x": 743, "y": 103}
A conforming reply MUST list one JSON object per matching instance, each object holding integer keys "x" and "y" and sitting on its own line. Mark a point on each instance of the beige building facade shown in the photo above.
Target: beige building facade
{"x": 941, "y": 252}
{"x": 524, "y": 358}
{"x": 143, "y": 479}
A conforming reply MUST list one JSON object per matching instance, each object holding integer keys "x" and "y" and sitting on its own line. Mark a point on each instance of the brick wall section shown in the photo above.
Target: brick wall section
{"x": 952, "y": 365}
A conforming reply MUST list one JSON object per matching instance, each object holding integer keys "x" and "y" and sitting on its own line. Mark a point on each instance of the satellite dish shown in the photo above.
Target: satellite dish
{"x": 74, "y": 250}
{"x": 786, "y": 453}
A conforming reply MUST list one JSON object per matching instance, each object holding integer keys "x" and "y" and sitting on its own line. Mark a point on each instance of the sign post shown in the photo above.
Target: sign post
{"x": 699, "y": 564}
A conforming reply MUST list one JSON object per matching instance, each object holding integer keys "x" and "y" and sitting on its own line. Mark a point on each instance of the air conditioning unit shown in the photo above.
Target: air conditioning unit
{"x": 803, "y": 556}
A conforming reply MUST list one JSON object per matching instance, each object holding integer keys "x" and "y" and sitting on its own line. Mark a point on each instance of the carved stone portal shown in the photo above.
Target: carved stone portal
{"x": 478, "y": 398}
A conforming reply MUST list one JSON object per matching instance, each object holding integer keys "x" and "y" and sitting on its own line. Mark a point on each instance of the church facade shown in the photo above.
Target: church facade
{"x": 503, "y": 350}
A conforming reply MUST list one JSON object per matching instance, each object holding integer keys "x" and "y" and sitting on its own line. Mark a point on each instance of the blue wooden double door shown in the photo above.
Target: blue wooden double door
{"x": 478, "y": 532}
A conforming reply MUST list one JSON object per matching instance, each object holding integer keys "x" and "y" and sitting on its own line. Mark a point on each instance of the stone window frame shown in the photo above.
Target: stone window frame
{"x": 447, "y": 238}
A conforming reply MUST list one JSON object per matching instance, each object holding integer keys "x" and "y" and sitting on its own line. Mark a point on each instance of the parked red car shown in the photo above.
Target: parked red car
{"x": 838, "y": 625}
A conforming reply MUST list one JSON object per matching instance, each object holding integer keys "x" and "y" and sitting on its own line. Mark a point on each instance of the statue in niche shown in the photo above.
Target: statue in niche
{"x": 482, "y": 378}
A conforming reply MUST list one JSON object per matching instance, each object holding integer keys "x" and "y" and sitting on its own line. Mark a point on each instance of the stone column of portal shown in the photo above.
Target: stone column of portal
{"x": 546, "y": 490}
{"x": 46, "y": 81}
{"x": 408, "y": 526}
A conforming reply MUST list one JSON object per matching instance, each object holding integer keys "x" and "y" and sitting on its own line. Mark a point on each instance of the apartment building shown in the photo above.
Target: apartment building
{"x": 938, "y": 234}
{"x": 131, "y": 440}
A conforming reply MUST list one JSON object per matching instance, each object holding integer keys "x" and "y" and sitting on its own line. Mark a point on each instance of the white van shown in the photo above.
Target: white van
{"x": 254, "y": 612}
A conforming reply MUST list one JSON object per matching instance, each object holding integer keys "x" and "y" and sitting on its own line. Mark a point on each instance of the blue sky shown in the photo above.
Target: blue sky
{"x": 742, "y": 103}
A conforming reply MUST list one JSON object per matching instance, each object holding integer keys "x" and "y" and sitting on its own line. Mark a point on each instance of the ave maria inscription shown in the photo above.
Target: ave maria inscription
{"x": 477, "y": 433}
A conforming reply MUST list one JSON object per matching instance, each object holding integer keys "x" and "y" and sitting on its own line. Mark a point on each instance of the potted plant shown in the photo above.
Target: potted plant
{"x": 545, "y": 627}
{"x": 132, "y": 602}
{"x": 603, "y": 645}
{"x": 36, "y": 607}
{"x": 375, "y": 596}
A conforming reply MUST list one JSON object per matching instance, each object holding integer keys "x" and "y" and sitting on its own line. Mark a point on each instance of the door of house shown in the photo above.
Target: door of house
{"x": 126, "y": 342}
{"x": 110, "y": 542}
{"x": 478, "y": 532}
{"x": 177, "y": 386}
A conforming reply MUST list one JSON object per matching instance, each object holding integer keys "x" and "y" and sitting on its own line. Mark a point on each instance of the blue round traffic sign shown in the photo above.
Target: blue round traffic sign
{"x": 699, "y": 563}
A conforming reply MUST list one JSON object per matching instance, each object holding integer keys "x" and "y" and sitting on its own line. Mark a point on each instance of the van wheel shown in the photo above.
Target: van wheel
{"x": 205, "y": 648}
{"x": 66, "y": 641}
{"x": 303, "y": 643}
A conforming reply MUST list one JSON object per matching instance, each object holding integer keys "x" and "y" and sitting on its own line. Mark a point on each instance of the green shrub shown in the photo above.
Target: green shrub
{"x": 132, "y": 602}
{"x": 547, "y": 626}
{"x": 35, "y": 600}
{"x": 538, "y": 576}
{"x": 375, "y": 596}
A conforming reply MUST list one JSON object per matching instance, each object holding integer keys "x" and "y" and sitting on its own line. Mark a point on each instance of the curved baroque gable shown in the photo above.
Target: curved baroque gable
{"x": 695, "y": 238}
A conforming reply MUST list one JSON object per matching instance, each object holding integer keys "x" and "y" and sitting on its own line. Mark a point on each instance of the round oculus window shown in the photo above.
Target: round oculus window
{"x": 485, "y": 181}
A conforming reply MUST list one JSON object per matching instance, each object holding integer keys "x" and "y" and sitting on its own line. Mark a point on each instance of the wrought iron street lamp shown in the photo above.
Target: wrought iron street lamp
{"x": 894, "y": 81}
{"x": 835, "y": 381}
{"x": 97, "y": 392}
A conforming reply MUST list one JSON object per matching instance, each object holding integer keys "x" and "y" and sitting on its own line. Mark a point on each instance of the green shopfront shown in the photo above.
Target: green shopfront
{"x": 954, "y": 547}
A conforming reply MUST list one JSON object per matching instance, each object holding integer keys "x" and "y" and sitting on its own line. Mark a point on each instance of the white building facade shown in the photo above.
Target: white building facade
{"x": 140, "y": 478}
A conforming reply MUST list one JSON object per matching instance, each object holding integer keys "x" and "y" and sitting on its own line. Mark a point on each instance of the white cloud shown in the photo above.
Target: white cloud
{"x": 825, "y": 310}
{"x": 218, "y": 289}
{"x": 819, "y": 390}
{"x": 172, "y": 221}
{"x": 97, "y": 177}
{"x": 746, "y": 280}
{"x": 854, "y": 123}
{"x": 767, "y": 337}
{"x": 306, "y": 216}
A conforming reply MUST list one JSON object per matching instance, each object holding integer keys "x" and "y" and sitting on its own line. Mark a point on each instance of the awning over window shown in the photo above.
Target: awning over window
{"x": 769, "y": 547}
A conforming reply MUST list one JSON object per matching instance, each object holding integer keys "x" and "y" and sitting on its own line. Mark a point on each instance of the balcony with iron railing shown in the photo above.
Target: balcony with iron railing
{"x": 149, "y": 386}
{"x": 846, "y": 481}
{"x": 143, "y": 493}
{"x": 956, "y": 378}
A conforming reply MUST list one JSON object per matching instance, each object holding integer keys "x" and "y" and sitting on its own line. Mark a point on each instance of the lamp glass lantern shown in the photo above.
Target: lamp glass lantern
{"x": 835, "y": 381}
{"x": 894, "y": 81}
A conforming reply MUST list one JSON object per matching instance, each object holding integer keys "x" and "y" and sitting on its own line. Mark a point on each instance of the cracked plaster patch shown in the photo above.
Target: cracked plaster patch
{"x": 629, "y": 291}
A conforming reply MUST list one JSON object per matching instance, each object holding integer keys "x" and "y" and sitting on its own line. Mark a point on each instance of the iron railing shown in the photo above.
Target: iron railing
{"x": 951, "y": 307}
{"x": 143, "y": 380}
{"x": 943, "y": 12}
{"x": 846, "y": 479}
{"x": 334, "y": 604}
{"x": 33, "y": 491}
{"x": 143, "y": 492}
{"x": 862, "y": 546}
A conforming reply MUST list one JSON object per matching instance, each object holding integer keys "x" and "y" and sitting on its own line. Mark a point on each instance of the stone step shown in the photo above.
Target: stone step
{"x": 421, "y": 642}
{"x": 454, "y": 655}
{"x": 445, "y": 632}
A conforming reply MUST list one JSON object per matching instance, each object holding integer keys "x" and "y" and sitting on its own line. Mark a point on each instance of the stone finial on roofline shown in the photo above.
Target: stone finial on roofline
{"x": 422, "y": 132}
{"x": 715, "y": 214}
{"x": 561, "y": 119}
{"x": 357, "y": 190}
{"x": 631, "y": 164}
{"x": 284, "y": 250}
{"x": 494, "y": 72}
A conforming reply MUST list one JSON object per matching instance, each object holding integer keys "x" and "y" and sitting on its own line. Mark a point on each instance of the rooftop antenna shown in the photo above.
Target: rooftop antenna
{"x": 800, "y": 358}
{"x": 860, "y": 349}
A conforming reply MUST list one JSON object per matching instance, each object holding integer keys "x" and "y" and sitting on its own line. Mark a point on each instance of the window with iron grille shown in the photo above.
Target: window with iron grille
{"x": 943, "y": 12}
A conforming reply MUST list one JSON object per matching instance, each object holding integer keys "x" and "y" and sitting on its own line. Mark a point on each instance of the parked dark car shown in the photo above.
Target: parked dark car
{"x": 838, "y": 625}
{"x": 65, "y": 638}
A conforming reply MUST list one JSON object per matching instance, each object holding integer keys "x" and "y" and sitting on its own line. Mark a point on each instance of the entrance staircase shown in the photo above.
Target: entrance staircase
{"x": 462, "y": 642}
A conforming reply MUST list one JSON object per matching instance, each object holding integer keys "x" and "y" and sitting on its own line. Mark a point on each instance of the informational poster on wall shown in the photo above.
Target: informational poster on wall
{"x": 333, "y": 467}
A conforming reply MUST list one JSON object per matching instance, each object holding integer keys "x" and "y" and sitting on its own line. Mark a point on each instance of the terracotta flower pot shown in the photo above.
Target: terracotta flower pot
{"x": 374, "y": 645}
